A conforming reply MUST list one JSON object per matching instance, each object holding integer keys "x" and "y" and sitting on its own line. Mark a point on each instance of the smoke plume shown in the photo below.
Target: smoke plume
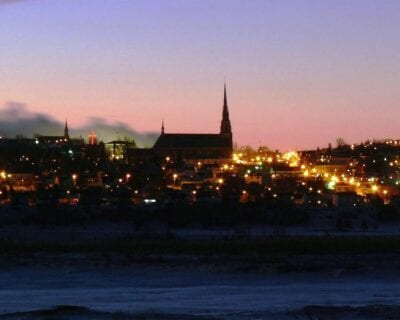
{"x": 17, "y": 119}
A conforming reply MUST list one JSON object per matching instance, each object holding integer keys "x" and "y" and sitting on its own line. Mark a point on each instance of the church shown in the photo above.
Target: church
{"x": 55, "y": 139}
{"x": 194, "y": 146}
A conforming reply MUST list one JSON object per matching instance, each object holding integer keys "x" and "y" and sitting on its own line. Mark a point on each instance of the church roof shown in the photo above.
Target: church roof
{"x": 191, "y": 140}
{"x": 200, "y": 141}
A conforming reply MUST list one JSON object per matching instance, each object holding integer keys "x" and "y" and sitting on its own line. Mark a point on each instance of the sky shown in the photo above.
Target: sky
{"x": 299, "y": 73}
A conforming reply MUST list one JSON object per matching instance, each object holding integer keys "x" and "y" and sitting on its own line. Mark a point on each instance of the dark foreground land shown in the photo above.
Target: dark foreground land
{"x": 246, "y": 249}
{"x": 310, "y": 312}
{"x": 271, "y": 255}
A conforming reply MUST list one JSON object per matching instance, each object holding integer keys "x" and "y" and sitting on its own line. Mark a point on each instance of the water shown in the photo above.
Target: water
{"x": 188, "y": 291}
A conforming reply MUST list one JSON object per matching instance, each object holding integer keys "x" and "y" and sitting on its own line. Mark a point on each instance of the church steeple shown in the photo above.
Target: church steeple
{"x": 66, "y": 131}
{"x": 225, "y": 123}
{"x": 162, "y": 127}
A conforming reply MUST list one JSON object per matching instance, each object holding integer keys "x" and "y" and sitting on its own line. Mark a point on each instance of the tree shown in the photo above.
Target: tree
{"x": 340, "y": 142}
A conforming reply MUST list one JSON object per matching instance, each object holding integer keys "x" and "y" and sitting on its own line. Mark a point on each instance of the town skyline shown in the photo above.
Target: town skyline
{"x": 199, "y": 159}
{"x": 18, "y": 121}
{"x": 298, "y": 75}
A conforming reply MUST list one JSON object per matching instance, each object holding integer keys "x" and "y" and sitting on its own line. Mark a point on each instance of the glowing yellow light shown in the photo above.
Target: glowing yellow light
{"x": 292, "y": 158}
{"x": 331, "y": 185}
{"x": 220, "y": 181}
{"x": 374, "y": 188}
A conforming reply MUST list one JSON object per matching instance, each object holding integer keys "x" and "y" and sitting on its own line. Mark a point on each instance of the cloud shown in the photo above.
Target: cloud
{"x": 17, "y": 119}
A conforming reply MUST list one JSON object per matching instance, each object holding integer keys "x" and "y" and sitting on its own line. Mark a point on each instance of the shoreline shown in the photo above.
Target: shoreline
{"x": 275, "y": 255}
{"x": 235, "y": 246}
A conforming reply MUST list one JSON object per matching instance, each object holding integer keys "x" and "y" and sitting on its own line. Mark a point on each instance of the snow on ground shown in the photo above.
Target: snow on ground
{"x": 176, "y": 291}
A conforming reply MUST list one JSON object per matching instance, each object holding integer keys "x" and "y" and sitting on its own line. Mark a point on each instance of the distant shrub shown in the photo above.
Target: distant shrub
{"x": 289, "y": 217}
{"x": 388, "y": 212}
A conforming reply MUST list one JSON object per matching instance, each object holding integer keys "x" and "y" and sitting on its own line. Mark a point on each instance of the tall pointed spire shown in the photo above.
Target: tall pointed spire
{"x": 225, "y": 123}
{"x": 162, "y": 127}
{"x": 225, "y": 99}
{"x": 66, "y": 131}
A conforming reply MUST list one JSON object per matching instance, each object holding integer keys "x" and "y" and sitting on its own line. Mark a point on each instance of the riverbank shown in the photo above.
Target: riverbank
{"x": 370, "y": 312}
{"x": 275, "y": 254}
{"x": 266, "y": 246}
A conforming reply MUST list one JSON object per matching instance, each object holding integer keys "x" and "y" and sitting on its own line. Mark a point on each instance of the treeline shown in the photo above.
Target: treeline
{"x": 174, "y": 215}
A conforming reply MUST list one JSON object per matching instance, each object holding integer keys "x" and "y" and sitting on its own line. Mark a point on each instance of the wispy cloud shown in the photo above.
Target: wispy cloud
{"x": 17, "y": 119}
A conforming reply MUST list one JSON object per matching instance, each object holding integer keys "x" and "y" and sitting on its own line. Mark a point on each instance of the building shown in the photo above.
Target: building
{"x": 119, "y": 149}
{"x": 55, "y": 139}
{"x": 189, "y": 146}
{"x": 346, "y": 199}
{"x": 22, "y": 182}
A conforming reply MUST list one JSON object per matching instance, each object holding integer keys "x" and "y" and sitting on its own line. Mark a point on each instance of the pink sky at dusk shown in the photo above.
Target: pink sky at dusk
{"x": 299, "y": 74}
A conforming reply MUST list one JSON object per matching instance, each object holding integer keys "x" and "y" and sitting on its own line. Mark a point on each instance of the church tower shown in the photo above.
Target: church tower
{"x": 66, "y": 132}
{"x": 226, "y": 129}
